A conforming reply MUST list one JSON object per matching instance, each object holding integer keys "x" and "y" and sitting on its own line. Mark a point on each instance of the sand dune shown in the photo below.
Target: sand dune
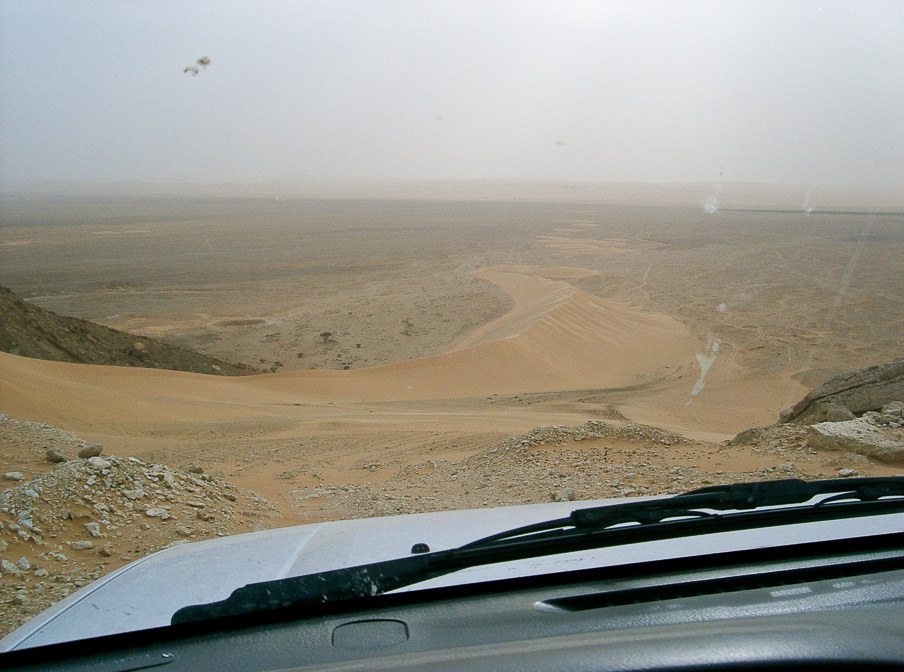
{"x": 535, "y": 293}
{"x": 86, "y": 396}
{"x": 555, "y": 338}
{"x": 534, "y": 297}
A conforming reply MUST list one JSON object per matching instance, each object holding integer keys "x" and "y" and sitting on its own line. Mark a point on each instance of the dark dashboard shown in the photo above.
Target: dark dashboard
{"x": 827, "y": 604}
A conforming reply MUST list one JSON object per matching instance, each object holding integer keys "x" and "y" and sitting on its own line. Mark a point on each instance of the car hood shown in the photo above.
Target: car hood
{"x": 146, "y": 593}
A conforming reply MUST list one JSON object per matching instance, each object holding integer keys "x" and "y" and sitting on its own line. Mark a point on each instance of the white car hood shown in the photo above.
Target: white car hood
{"x": 146, "y": 593}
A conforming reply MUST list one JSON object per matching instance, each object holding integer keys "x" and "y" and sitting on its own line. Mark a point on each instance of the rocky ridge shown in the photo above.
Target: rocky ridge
{"x": 31, "y": 331}
{"x": 849, "y": 394}
{"x": 591, "y": 461}
{"x": 879, "y": 436}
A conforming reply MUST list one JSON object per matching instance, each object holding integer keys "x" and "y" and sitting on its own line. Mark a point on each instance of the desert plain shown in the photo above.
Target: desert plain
{"x": 403, "y": 340}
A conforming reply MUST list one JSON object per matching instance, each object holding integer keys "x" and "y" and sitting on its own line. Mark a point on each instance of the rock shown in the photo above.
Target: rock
{"x": 91, "y": 450}
{"x": 184, "y": 531}
{"x": 749, "y": 436}
{"x": 194, "y": 469}
{"x": 8, "y": 568}
{"x": 56, "y": 455}
{"x": 133, "y": 494}
{"x": 14, "y": 476}
{"x": 846, "y": 473}
{"x": 99, "y": 463}
{"x": 859, "y": 436}
{"x": 94, "y": 529}
{"x": 858, "y": 391}
{"x": 565, "y": 495}
{"x": 894, "y": 408}
{"x": 23, "y": 564}
{"x": 82, "y": 545}
{"x": 156, "y": 512}
{"x": 837, "y": 413}
{"x": 828, "y": 411}
{"x": 31, "y": 492}
{"x": 3, "y": 546}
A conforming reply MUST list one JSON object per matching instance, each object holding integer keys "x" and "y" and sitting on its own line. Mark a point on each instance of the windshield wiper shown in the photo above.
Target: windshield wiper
{"x": 704, "y": 511}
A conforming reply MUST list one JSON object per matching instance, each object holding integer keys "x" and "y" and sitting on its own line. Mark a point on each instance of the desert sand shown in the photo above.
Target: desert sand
{"x": 452, "y": 324}
{"x": 415, "y": 346}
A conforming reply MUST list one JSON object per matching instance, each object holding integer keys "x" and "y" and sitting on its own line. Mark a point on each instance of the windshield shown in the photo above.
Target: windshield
{"x": 270, "y": 264}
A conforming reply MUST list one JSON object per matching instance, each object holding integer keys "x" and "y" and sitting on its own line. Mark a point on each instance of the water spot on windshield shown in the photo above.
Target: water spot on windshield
{"x": 805, "y": 206}
{"x": 705, "y": 360}
{"x": 712, "y": 201}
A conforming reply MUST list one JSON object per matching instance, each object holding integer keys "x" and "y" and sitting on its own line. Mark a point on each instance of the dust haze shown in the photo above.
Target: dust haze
{"x": 804, "y": 93}
{"x": 476, "y": 253}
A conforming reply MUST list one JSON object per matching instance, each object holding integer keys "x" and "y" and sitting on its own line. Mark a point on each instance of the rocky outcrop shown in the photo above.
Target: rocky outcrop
{"x": 849, "y": 394}
{"x": 776, "y": 435}
{"x": 878, "y": 436}
{"x": 31, "y": 331}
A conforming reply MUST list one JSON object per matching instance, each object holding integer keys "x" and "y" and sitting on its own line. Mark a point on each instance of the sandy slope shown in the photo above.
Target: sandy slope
{"x": 533, "y": 297}
{"x": 555, "y": 338}
{"x": 516, "y": 372}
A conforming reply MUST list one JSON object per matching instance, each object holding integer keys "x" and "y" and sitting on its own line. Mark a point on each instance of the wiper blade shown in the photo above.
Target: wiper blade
{"x": 704, "y": 511}
{"x": 719, "y": 498}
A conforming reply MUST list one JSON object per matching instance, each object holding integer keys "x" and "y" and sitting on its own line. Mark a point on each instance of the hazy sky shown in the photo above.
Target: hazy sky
{"x": 782, "y": 92}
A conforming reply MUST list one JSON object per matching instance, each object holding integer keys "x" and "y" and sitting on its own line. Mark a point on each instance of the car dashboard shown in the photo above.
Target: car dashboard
{"x": 834, "y": 604}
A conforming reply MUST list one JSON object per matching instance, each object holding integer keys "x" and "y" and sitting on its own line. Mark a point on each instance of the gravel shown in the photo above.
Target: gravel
{"x": 75, "y": 523}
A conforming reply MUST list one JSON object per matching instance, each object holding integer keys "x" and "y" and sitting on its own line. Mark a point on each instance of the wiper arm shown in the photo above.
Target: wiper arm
{"x": 720, "y": 498}
{"x": 703, "y": 511}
